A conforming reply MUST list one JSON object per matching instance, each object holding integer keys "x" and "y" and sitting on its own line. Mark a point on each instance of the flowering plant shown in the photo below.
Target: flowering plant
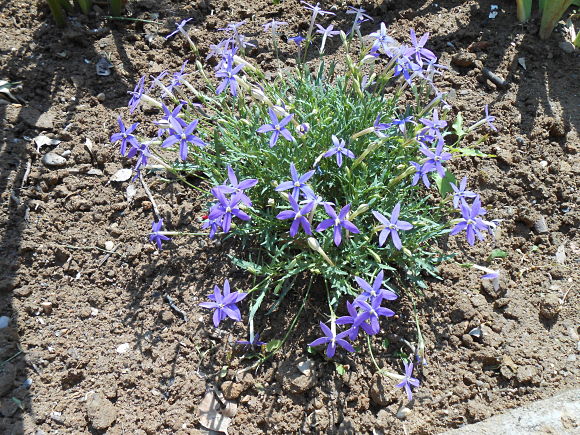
{"x": 318, "y": 173}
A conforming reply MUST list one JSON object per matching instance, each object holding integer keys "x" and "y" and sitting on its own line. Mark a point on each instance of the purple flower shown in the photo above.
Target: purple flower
{"x": 421, "y": 173}
{"x": 489, "y": 119}
{"x": 408, "y": 380}
{"x": 298, "y": 216}
{"x": 383, "y": 42}
{"x": 338, "y": 222}
{"x": 238, "y": 188}
{"x": 298, "y": 183}
{"x": 372, "y": 312}
{"x": 407, "y": 68}
{"x": 332, "y": 339}
{"x": 402, "y": 123}
{"x": 214, "y": 225}
{"x": 316, "y": 10}
{"x": 183, "y": 136}
{"x": 471, "y": 222}
{"x": 179, "y": 28}
{"x": 351, "y": 320}
{"x": 418, "y": 48}
{"x": 177, "y": 77}
{"x": 461, "y": 194}
{"x": 432, "y": 126}
{"x": 391, "y": 227}
{"x": 297, "y": 40}
{"x": 326, "y": 33}
{"x": 252, "y": 343}
{"x": 144, "y": 154}
{"x": 136, "y": 95}
{"x": 273, "y": 25}
{"x": 226, "y": 208}
{"x": 168, "y": 115}
{"x": 374, "y": 291}
{"x": 228, "y": 74}
{"x": 224, "y": 305}
{"x": 360, "y": 12}
{"x": 277, "y": 127}
{"x": 155, "y": 235}
{"x": 435, "y": 159}
{"x": 340, "y": 150}
{"x": 491, "y": 275}
{"x": 125, "y": 136}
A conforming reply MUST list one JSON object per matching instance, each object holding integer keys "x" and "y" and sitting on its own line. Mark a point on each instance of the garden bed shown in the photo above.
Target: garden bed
{"x": 93, "y": 331}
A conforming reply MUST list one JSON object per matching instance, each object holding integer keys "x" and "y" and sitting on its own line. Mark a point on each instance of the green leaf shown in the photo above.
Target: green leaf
{"x": 273, "y": 345}
{"x": 470, "y": 152}
{"x": 443, "y": 183}
{"x": 497, "y": 253}
{"x": 385, "y": 343}
{"x": 458, "y": 126}
{"x": 340, "y": 369}
{"x": 223, "y": 372}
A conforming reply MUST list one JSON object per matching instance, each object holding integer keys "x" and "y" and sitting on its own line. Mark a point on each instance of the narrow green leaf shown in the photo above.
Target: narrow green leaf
{"x": 443, "y": 183}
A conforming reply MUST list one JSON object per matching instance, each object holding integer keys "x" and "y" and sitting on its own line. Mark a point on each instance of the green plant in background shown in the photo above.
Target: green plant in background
{"x": 58, "y": 8}
{"x": 550, "y": 10}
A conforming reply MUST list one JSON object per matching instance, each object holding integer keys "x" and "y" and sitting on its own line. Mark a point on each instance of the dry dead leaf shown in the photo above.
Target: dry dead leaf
{"x": 122, "y": 175}
{"x": 210, "y": 415}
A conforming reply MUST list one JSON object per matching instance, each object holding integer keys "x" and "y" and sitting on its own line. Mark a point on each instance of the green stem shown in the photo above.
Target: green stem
{"x": 57, "y": 12}
{"x": 552, "y": 11}
{"x": 116, "y": 7}
{"x": 85, "y": 6}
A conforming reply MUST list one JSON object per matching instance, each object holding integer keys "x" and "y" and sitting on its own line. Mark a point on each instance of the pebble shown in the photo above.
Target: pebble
{"x": 22, "y": 292}
{"x": 46, "y": 307}
{"x": 381, "y": 392}
{"x": 526, "y": 374}
{"x": 100, "y": 411}
{"x": 53, "y": 160}
{"x": 4, "y": 321}
{"x": 540, "y": 225}
{"x": 57, "y": 417}
{"x": 293, "y": 379}
{"x": 232, "y": 390}
{"x": 550, "y": 307}
{"x": 463, "y": 59}
{"x": 101, "y": 97}
{"x": 567, "y": 47}
{"x": 109, "y": 245}
{"x": 123, "y": 348}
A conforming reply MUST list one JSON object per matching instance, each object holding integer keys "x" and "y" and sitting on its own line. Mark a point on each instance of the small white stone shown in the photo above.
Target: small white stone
{"x": 123, "y": 348}
{"x": 4, "y": 321}
{"x": 109, "y": 245}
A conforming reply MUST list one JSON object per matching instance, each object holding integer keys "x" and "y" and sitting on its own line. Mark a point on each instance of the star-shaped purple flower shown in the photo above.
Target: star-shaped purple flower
{"x": 228, "y": 74}
{"x": 418, "y": 49}
{"x": 125, "y": 136}
{"x": 372, "y": 312}
{"x": 383, "y": 42}
{"x": 299, "y": 216}
{"x": 471, "y": 222}
{"x": 226, "y": 209}
{"x": 339, "y": 150}
{"x": 333, "y": 340}
{"x": 461, "y": 194}
{"x": 338, "y": 222}
{"x": 136, "y": 95}
{"x": 436, "y": 159}
{"x": 277, "y": 127}
{"x": 408, "y": 380}
{"x": 489, "y": 119}
{"x": 183, "y": 136}
{"x": 374, "y": 291}
{"x": 351, "y": 320}
{"x": 421, "y": 173}
{"x": 179, "y": 28}
{"x": 155, "y": 235}
{"x": 392, "y": 226}
{"x": 298, "y": 183}
{"x": 224, "y": 305}
{"x": 235, "y": 187}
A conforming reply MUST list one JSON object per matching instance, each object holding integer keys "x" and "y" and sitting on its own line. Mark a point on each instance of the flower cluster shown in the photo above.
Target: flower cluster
{"x": 329, "y": 172}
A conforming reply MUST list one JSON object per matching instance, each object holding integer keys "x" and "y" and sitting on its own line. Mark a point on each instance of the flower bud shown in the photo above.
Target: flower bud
{"x": 313, "y": 243}
{"x": 163, "y": 123}
{"x": 363, "y": 208}
{"x": 407, "y": 252}
{"x": 280, "y": 111}
{"x": 302, "y": 129}
{"x": 343, "y": 37}
{"x": 271, "y": 202}
{"x": 259, "y": 95}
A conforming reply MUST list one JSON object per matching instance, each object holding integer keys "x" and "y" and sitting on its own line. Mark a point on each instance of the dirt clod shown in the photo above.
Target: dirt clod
{"x": 101, "y": 413}
{"x": 550, "y": 307}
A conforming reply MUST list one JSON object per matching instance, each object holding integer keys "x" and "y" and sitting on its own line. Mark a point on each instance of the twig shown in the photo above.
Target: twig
{"x": 174, "y": 307}
{"x": 106, "y": 256}
{"x": 88, "y": 248}
{"x": 26, "y": 174}
{"x": 148, "y": 192}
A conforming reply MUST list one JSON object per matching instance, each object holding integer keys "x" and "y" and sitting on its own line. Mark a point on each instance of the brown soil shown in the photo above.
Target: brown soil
{"x": 73, "y": 305}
